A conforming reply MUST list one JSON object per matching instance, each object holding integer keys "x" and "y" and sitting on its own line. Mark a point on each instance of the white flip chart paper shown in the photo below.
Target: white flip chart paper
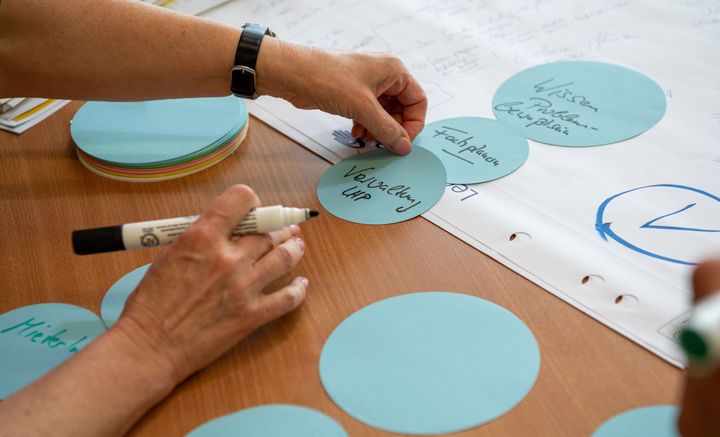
{"x": 613, "y": 230}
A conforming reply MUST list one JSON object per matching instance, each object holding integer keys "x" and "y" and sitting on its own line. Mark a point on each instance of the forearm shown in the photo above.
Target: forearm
{"x": 111, "y": 50}
{"x": 103, "y": 390}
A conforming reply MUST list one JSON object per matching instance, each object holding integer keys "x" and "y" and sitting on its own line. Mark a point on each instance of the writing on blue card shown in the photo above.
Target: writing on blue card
{"x": 579, "y": 103}
{"x": 35, "y": 339}
{"x": 474, "y": 149}
{"x": 379, "y": 187}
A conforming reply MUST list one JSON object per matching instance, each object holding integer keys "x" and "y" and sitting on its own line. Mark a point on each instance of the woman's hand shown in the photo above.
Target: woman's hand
{"x": 205, "y": 292}
{"x": 376, "y": 91}
{"x": 201, "y": 296}
{"x": 701, "y": 400}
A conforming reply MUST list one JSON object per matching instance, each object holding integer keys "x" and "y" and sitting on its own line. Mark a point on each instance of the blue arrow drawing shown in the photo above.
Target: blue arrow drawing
{"x": 604, "y": 228}
{"x": 650, "y": 224}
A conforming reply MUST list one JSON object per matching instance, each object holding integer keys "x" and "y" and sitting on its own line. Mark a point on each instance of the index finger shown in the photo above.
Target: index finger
{"x": 414, "y": 103}
{"x": 228, "y": 210}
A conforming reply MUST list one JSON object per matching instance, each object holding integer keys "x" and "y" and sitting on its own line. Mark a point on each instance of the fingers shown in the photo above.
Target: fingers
{"x": 395, "y": 113}
{"x": 227, "y": 211}
{"x": 706, "y": 279}
{"x": 357, "y": 130}
{"x": 413, "y": 101}
{"x": 281, "y": 302}
{"x": 384, "y": 127}
{"x": 256, "y": 246}
{"x": 277, "y": 262}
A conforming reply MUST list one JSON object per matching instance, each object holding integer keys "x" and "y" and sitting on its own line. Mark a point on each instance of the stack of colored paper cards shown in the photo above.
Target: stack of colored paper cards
{"x": 20, "y": 114}
{"x": 157, "y": 140}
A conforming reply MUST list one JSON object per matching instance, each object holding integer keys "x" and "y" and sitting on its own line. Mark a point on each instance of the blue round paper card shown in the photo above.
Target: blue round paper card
{"x": 579, "y": 103}
{"x": 35, "y": 339}
{"x": 271, "y": 421}
{"x": 379, "y": 187}
{"x": 654, "y": 421}
{"x": 429, "y": 363}
{"x": 157, "y": 131}
{"x": 113, "y": 302}
{"x": 474, "y": 149}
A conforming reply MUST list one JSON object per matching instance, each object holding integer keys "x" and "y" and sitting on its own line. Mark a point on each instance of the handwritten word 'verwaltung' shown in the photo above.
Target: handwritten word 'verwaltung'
{"x": 367, "y": 182}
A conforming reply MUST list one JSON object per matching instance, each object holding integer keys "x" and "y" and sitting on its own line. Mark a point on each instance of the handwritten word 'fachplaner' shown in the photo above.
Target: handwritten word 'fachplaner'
{"x": 464, "y": 145}
{"x": 367, "y": 182}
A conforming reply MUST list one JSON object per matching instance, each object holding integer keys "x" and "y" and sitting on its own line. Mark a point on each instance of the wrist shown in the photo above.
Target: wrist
{"x": 151, "y": 364}
{"x": 277, "y": 61}
{"x": 268, "y": 66}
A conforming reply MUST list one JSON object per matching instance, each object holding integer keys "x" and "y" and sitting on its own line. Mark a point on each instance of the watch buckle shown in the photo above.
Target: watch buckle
{"x": 246, "y": 70}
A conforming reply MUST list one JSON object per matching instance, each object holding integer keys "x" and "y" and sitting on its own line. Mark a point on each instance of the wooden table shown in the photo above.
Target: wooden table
{"x": 589, "y": 373}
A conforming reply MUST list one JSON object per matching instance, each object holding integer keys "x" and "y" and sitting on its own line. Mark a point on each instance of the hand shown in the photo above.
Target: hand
{"x": 204, "y": 293}
{"x": 701, "y": 400}
{"x": 376, "y": 91}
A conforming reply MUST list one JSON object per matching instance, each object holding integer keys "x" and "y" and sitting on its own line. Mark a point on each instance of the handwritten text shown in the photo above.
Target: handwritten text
{"x": 463, "y": 142}
{"x": 36, "y": 332}
{"x": 367, "y": 182}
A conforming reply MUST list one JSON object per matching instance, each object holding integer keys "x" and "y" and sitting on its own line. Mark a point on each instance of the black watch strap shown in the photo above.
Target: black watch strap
{"x": 242, "y": 82}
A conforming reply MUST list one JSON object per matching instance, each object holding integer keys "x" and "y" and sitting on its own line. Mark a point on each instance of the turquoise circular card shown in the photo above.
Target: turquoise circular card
{"x": 429, "y": 363}
{"x": 272, "y": 421}
{"x": 655, "y": 421}
{"x": 35, "y": 339}
{"x": 114, "y": 300}
{"x": 156, "y": 131}
{"x": 379, "y": 187}
{"x": 474, "y": 149}
{"x": 579, "y": 103}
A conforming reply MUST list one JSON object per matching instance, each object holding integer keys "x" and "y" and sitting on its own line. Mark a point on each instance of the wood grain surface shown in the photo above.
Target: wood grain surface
{"x": 588, "y": 373}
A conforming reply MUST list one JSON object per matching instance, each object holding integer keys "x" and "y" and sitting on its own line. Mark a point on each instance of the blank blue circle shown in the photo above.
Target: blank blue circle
{"x": 474, "y": 149}
{"x": 654, "y": 421}
{"x": 114, "y": 300}
{"x": 379, "y": 187}
{"x": 429, "y": 363}
{"x": 271, "y": 421}
{"x": 156, "y": 131}
{"x": 35, "y": 339}
{"x": 579, "y": 103}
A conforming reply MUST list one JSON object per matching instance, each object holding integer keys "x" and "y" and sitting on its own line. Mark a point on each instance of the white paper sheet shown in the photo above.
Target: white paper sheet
{"x": 20, "y": 126}
{"x": 462, "y": 50}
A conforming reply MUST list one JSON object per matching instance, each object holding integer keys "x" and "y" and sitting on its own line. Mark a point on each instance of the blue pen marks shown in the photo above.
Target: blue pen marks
{"x": 37, "y": 332}
{"x": 650, "y": 225}
{"x": 664, "y": 227}
{"x": 35, "y": 339}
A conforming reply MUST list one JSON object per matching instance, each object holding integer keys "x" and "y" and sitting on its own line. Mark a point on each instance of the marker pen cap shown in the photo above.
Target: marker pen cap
{"x": 700, "y": 338}
{"x": 97, "y": 240}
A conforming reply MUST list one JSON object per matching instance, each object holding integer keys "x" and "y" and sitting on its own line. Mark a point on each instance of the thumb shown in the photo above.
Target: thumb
{"x": 385, "y": 128}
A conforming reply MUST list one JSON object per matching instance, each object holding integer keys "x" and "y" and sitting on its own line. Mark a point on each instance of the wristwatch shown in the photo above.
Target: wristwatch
{"x": 242, "y": 82}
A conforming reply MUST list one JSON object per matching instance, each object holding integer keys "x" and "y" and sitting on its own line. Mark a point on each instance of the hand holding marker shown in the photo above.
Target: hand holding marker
{"x": 159, "y": 232}
{"x": 701, "y": 336}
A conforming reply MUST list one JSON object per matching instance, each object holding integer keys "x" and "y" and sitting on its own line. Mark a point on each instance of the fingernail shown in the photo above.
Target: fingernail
{"x": 294, "y": 230}
{"x": 402, "y": 146}
{"x": 305, "y": 281}
{"x": 297, "y": 290}
{"x": 300, "y": 242}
